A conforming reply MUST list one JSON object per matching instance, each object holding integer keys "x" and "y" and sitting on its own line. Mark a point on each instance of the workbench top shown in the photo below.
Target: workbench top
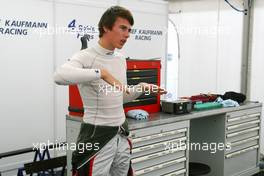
{"x": 164, "y": 118}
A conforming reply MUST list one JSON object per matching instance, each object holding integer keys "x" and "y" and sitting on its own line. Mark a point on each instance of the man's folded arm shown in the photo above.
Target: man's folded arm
{"x": 72, "y": 72}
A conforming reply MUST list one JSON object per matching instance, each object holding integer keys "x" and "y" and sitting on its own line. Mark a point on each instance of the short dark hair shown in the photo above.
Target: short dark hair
{"x": 110, "y": 15}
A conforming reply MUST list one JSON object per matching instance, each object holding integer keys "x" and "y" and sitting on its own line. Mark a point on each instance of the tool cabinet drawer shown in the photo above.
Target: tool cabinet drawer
{"x": 181, "y": 172}
{"x": 141, "y": 102}
{"x": 242, "y": 135}
{"x": 243, "y": 112}
{"x": 156, "y": 158}
{"x": 137, "y": 80}
{"x": 163, "y": 168}
{"x": 242, "y": 160}
{"x": 243, "y": 126}
{"x": 243, "y": 119}
{"x": 154, "y": 138}
{"x": 157, "y": 147}
{"x": 142, "y": 73}
{"x": 243, "y": 115}
{"x": 159, "y": 133}
{"x": 242, "y": 144}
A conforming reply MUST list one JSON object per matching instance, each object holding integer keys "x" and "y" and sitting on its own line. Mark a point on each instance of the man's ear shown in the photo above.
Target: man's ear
{"x": 105, "y": 29}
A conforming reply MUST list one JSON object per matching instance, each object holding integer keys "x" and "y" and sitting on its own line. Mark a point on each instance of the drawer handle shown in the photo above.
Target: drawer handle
{"x": 243, "y": 124}
{"x": 156, "y": 155}
{"x": 157, "y": 145}
{"x": 244, "y": 141}
{"x": 160, "y": 166}
{"x": 242, "y": 132}
{"x": 150, "y": 137}
{"x": 254, "y": 115}
{"x": 176, "y": 173}
{"x": 231, "y": 155}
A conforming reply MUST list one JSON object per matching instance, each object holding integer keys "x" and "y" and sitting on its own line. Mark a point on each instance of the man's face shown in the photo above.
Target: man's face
{"x": 119, "y": 34}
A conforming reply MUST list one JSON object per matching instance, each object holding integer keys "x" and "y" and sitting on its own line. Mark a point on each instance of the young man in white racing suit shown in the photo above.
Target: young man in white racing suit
{"x": 100, "y": 73}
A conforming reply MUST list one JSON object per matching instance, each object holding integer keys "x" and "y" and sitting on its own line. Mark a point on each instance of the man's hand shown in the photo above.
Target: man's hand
{"x": 107, "y": 77}
{"x": 152, "y": 88}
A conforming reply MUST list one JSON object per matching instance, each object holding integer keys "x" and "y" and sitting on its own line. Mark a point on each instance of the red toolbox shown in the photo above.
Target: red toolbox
{"x": 137, "y": 71}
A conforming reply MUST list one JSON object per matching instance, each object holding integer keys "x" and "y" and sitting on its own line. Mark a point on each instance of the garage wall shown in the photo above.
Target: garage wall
{"x": 210, "y": 35}
{"x": 26, "y": 69}
{"x": 211, "y": 47}
{"x": 33, "y": 109}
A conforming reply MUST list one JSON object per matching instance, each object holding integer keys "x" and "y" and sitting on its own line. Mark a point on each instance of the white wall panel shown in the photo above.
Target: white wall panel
{"x": 146, "y": 6}
{"x": 148, "y": 15}
{"x": 229, "y": 49}
{"x": 210, "y": 46}
{"x": 26, "y": 68}
{"x": 196, "y": 24}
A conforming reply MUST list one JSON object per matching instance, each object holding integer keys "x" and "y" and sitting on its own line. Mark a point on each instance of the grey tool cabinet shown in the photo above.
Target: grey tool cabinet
{"x": 238, "y": 132}
{"x": 162, "y": 144}
{"x": 243, "y": 134}
{"x": 160, "y": 149}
